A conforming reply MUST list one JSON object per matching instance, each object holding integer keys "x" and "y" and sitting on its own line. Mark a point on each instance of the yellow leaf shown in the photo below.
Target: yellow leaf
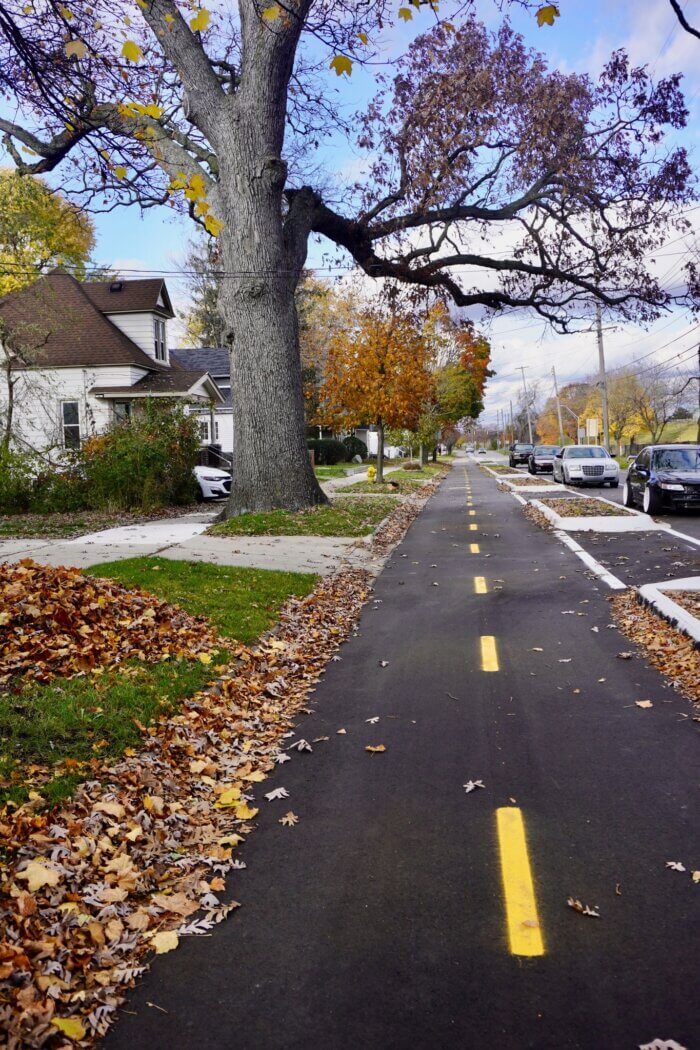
{"x": 375, "y": 750}
{"x": 213, "y": 225}
{"x": 405, "y": 13}
{"x": 230, "y": 797}
{"x": 257, "y": 777}
{"x": 230, "y": 840}
{"x": 120, "y": 171}
{"x": 271, "y": 13}
{"x": 131, "y": 51}
{"x": 341, "y": 64}
{"x": 363, "y": 38}
{"x": 70, "y": 1026}
{"x": 165, "y": 941}
{"x": 205, "y": 658}
{"x": 245, "y": 812}
{"x": 75, "y": 49}
{"x": 37, "y": 875}
{"x": 196, "y": 188}
{"x": 547, "y": 14}
{"x": 200, "y": 21}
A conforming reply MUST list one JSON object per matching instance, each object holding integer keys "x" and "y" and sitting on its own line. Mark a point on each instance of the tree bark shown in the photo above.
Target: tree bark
{"x": 423, "y": 455}
{"x": 380, "y": 452}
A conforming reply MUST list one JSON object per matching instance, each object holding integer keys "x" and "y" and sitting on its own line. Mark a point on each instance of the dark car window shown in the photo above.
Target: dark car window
{"x": 523, "y": 447}
{"x": 677, "y": 459}
{"x": 642, "y": 460}
{"x": 586, "y": 452}
{"x": 546, "y": 450}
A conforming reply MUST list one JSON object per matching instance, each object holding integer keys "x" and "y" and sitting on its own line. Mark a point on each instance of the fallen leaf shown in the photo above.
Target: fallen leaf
{"x": 644, "y": 703}
{"x": 37, "y": 875}
{"x": 583, "y": 909}
{"x": 472, "y": 785}
{"x": 341, "y": 732}
{"x": 375, "y": 750}
{"x": 277, "y": 793}
{"x": 289, "y": 819}
{"x": 675, "y": 865}
{"x": 662, "y": 1044}
{"x": 70, "y": 1026}
{"x": 372, "y": 721}
{"x": 165, "y": 941}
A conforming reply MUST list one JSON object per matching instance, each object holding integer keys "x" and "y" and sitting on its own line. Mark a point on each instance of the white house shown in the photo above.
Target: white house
{"x": 76, "y": 357}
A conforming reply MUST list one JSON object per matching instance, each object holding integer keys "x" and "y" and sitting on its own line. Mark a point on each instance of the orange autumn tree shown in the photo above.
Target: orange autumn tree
{"x": 377, "y": 372}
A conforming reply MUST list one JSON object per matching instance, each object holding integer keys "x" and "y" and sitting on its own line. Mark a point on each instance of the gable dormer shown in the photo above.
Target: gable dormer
{"x": 140, "y": 309}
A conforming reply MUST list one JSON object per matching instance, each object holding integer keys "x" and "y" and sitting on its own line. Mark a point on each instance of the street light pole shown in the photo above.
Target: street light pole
{"x": 602, "y": 377}
{"x": 527, "y": 405}
{"x": 556, "y": 394}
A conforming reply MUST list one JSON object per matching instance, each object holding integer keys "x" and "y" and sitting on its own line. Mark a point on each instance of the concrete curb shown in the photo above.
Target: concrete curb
{"x": 656, "y": 596}
{"x": 598, "y": 523}
{"x": 524, "y": 489}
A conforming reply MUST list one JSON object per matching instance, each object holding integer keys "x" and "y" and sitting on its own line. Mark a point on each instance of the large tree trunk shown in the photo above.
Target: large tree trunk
{"x": 271, "y": 464}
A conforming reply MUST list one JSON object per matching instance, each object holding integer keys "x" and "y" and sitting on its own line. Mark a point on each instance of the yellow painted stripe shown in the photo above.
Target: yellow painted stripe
{"x": 489, "y": 656}
{"x": 471, "y": 512}
{"x": 524, "y": 931}
{"x": 480, "y": 586}
{"x": 474, "y": 548}
{"x": 473, "y": 527}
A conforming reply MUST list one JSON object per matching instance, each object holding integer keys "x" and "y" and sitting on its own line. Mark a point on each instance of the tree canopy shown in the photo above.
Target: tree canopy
{"x": 39, "y": 230}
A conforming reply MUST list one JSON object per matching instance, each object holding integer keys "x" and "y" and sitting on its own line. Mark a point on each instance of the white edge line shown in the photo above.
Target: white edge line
{"x": 683, "y": 536}
{"x": 600, "y": 571}
{"x": 670, "y": 610}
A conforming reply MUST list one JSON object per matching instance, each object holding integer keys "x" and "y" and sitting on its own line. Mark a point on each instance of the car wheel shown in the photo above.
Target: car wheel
{"x": 201, "y": 498}
{"x": 627, "y": 500}
{"x": 650, "y": 501}
{"x": 511, "y": 462}
{"x": 615, "y": 484}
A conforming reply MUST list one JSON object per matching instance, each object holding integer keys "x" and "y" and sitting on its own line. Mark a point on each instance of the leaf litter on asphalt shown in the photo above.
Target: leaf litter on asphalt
{"x": 473, "y": 785}
{"x": 583, "y": 909}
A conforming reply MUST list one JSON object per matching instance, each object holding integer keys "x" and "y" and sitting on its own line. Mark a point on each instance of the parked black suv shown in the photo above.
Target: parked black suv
{"x": 519, "y": 453}
{"x": 664, "y": 477}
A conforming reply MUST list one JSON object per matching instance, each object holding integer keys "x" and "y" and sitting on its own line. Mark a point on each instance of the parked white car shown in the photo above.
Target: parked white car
{"x": 213, "y": 483}
{"x": 586, "y": 465}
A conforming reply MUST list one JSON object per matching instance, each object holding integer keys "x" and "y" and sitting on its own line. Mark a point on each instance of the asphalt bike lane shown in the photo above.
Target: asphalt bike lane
{"x": 404, "y": 911}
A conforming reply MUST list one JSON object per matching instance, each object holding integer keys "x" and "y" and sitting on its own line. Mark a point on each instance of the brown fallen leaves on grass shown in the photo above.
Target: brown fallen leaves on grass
{"x": 57, "y": 622}
{"x": 667, "y": 649}
{"x": 90, "y": 892}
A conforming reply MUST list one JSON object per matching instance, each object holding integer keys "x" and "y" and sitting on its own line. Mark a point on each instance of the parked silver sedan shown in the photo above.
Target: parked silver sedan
{"x": 586, "y": 465}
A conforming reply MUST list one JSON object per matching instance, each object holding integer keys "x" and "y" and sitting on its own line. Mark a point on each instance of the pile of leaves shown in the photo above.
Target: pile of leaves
{"x": 527, "y": 481}
{"x": 90, "y": 892}
{"x": 666, "y": 648}
{"x": 689, "y": 600}
{"x": 584, "y": 506}
{"x": 57, "y": 622}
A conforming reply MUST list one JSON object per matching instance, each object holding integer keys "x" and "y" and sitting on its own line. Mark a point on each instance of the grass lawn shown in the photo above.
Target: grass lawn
{"x": 69, "y": 722}
{"x": 345, "y": 516}
{"x": 338, "y": 470}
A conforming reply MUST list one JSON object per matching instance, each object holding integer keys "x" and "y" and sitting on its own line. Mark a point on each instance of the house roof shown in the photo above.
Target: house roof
{"x": 141, "y": 296}
{"x": 215, "y": 359}
{"x": 175, "y": 382}
{"x": 62, "y": 327}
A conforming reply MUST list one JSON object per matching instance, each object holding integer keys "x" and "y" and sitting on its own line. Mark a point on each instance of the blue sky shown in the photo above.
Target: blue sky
{"x": 581, "y": 40}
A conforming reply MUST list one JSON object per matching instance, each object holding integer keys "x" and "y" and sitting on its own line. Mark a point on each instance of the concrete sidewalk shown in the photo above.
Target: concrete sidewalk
{"x": 332, "y": 485}
{"x": 183, "y": 539}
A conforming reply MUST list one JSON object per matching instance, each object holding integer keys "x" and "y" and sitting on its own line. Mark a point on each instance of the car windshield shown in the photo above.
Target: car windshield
{"x": 677, "y": 459}
{"x": 522, "y": 448}
{"x": 586, "y": 452}
{"x": 546, "y": 450}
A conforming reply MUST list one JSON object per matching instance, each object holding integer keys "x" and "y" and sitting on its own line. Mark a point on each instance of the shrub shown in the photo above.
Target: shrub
{"x": 60, "y": 492}
{"x": 355, "y": 447}
{"x": 327, "y": 451}
{"x": 17, "y": 476}
{"x": 412, "y": 465}
{"x": 145, "y": 463}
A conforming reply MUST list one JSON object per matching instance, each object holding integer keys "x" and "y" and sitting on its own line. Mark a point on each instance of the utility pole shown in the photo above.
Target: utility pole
{"x": 527, "y": 404}
{"x": 602, "y": 381}
{"x": 512, "y": 428}
{"x": 556, "y": 394}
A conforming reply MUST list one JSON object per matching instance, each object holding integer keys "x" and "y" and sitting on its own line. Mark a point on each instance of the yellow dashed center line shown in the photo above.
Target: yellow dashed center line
{"x": 480, "y": 586}
{"x": 471, "y": 512}
{"x": 524, "y": 932}
{"x": 474, "y": 548}
{"x": 489, "y": 655}
{"x": 474, "y": 527}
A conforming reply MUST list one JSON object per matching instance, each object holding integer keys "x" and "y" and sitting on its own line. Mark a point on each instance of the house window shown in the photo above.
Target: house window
{"x": 122, "y": 411}
{"x": 70, "y": 422}
{"x": 159, "y": 339}
{"x": 204, "y": 431}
